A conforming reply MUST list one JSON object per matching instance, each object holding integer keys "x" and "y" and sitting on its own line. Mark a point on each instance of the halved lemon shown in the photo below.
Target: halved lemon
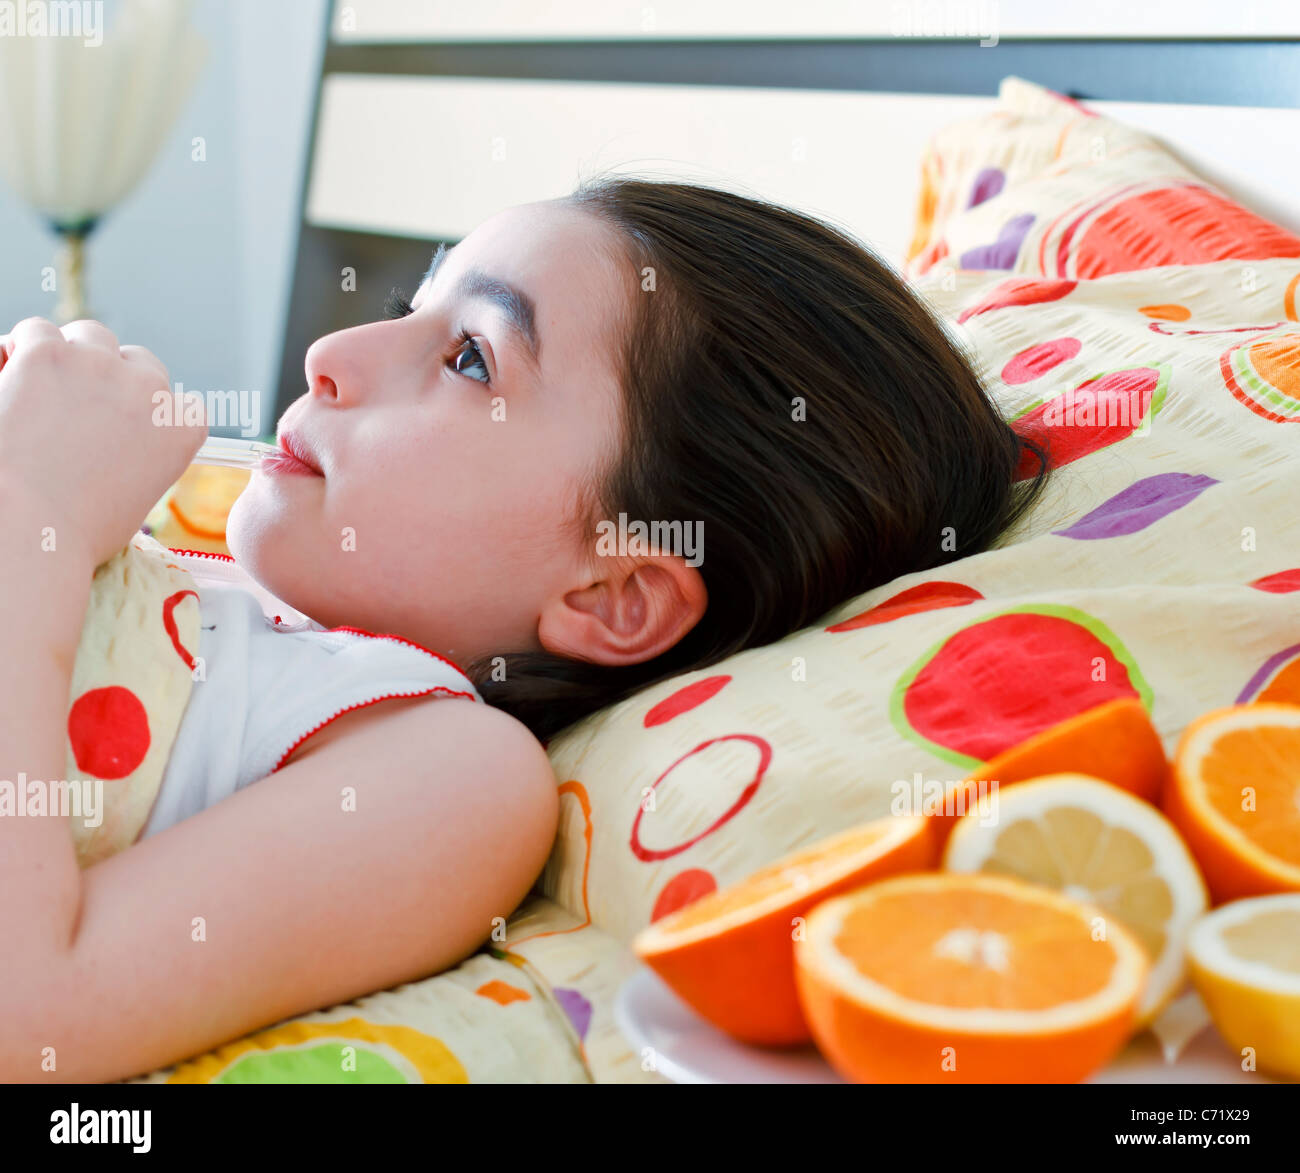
{"x": 1245, "y": 960}
{"x": 730, "y": 954}
{"x": 1097, "y": 843}
{"x": 1234, "y": 794}
{"x": 967, "y": 979}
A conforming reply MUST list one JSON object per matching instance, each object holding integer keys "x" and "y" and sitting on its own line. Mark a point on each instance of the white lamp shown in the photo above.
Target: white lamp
{"x": 84, "y": 111}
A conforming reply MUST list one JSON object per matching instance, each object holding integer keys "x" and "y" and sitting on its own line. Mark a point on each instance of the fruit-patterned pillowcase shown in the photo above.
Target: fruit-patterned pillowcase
{"x": 1045, "y": 187}
{"x": 1160, "y": 564}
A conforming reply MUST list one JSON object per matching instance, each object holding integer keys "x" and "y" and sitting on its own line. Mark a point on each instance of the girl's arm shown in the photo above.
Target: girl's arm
{"x": 45, "y": 574}
{"x": 282, "y": 899}
{"x": 70, "y": 401}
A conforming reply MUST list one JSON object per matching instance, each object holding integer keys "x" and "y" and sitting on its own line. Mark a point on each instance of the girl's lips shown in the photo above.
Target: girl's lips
{"x": 283, "y": 462}
{"x": 289, "y": 459}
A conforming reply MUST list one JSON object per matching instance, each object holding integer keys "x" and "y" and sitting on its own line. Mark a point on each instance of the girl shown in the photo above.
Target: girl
{"x": 664, "y": 351}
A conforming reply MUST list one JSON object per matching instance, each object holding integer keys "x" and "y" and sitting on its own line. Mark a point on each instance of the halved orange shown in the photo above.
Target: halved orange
{"x": 1234, "y": 794}
{"x": 948, "y": 978}
{"x": 730, "y": 954}
{"x": 1114, "y": 741}
{"x": 192, "y": 515}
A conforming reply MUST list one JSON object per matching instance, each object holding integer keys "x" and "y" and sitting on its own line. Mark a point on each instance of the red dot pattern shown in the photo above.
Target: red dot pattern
{"x": 684, "y": 699}
{"x": 108, "y": 730}
{"x": 683, "y": 889}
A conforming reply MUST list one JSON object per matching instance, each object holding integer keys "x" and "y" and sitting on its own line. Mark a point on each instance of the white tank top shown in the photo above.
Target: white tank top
{"x": 271, "y": 677}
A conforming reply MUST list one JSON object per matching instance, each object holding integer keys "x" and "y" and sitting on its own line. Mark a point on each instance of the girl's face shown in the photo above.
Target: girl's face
{"x": 452, "y": 471}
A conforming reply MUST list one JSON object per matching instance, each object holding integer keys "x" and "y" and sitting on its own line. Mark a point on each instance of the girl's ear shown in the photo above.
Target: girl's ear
{"x": 639, "y": 610}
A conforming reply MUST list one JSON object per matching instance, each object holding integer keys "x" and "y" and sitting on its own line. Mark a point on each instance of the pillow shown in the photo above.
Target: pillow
{"x": 1161, "y": 562}
{"x": 1043, "y": 186}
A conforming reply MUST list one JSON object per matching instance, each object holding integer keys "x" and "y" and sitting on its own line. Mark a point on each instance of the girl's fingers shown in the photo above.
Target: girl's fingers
{"x": 30, "y": 331}
{"x": 86, "y": 332}
{"x": 145, "y": 357}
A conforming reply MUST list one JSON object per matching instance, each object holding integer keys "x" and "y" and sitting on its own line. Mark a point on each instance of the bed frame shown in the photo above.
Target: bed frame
{"x": 870, "y": 88}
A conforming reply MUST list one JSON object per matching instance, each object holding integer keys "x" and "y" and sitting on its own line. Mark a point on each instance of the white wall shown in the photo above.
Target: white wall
{"x": 195, "y": 263}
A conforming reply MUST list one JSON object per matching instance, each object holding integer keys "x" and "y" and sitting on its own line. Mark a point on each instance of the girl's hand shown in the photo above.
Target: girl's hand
{"x": 77, "y": 430}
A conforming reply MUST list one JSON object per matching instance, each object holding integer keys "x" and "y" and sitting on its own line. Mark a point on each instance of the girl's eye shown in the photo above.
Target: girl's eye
{"x": 466, "y": 340}
{"x": 398, "y": 305}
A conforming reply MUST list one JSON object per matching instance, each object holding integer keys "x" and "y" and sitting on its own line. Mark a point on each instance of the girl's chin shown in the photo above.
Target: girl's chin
{"x": 255, "y": 520}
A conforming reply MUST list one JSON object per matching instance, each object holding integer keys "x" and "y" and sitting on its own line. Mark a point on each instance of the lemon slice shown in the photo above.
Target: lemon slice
{"x": 1245, "y": 961}
{"x": 1098, "y": 844}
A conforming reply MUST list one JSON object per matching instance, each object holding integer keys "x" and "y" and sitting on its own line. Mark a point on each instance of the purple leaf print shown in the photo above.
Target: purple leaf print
{"x": 1142, "y": 504}
{"x": 1002, "y": 253}
{"x": 577, "y": 1008}
{"x": 987, "y": 184}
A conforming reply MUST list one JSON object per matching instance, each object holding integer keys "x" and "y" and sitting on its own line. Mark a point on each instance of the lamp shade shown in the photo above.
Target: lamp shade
{"x": 85, "y": 115}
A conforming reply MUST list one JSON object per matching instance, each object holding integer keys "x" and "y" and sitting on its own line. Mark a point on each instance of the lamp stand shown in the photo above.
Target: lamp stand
{"x": 70, "y": 270}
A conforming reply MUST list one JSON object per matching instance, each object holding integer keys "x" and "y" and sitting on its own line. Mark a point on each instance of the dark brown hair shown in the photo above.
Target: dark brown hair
{"x": 741, "y": 312}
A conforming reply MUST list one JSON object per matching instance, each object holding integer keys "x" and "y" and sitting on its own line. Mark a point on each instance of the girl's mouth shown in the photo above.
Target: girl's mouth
{"x": 292, "y": 459}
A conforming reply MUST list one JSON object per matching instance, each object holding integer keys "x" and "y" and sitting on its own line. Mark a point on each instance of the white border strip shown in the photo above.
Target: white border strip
{"x": 377, "y": 21}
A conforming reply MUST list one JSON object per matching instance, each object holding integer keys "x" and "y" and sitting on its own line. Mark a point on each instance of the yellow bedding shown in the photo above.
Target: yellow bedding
{"x": 131, "y": 681}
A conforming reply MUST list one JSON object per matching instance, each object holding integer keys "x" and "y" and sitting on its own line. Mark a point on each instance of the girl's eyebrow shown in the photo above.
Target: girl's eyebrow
{"x": 439, "y": 255}
{"x": 518, "y": 309}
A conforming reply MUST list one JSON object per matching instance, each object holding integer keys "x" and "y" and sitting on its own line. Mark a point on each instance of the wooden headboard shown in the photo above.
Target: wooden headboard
{"x": 426, "y": 122}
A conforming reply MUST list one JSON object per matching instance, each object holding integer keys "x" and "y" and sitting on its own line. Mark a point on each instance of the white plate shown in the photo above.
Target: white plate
{"x": 688, "y": 1050}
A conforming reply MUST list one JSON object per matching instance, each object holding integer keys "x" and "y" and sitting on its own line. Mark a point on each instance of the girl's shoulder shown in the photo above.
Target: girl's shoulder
{"x": 491, "y": 731}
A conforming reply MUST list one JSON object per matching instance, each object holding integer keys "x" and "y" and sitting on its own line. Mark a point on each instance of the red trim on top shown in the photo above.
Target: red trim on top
{"x": 364, "y": 704}
{"x": 201, "y": 553}
{"x": 401, "y": 639}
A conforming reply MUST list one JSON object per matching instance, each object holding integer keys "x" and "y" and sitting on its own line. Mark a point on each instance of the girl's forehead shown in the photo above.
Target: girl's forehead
{"x": 558, "y": 260}
{"x": 540, "y": 239}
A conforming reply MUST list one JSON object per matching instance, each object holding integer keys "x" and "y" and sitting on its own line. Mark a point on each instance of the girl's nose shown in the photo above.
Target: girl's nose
{"x": 324, "y": 387}
{"x": 345, "y": 368}
{"x": 338, "y": 368}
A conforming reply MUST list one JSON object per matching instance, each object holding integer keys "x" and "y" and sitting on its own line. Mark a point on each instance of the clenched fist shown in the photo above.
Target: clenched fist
{"x": 78, "y": 430}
